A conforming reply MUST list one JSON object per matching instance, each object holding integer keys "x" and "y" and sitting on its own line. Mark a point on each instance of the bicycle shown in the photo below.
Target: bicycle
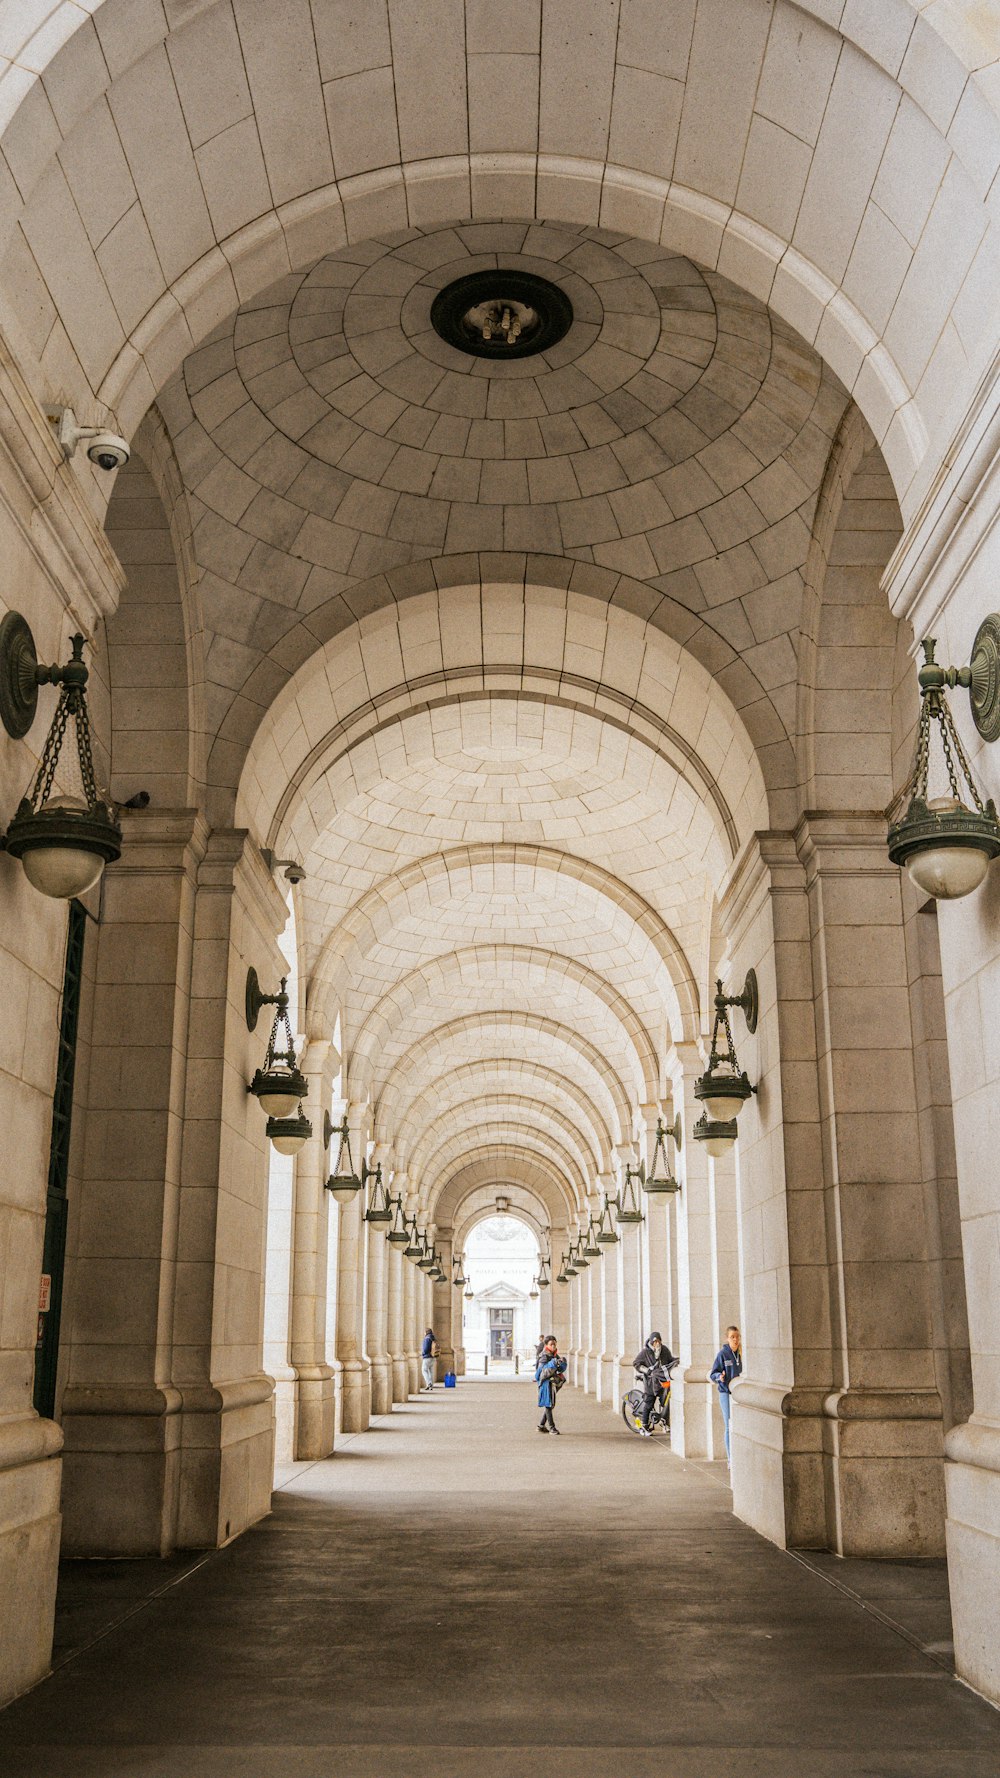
{"x": 632, "y": 1403}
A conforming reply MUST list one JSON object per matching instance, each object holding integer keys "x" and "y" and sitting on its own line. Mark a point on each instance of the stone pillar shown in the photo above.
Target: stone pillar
{"x": 692, "y": 1397}
{"x": 610, "y": 1349}
{"x": 657, "y": 1240}
{"x": 377, "y": 1301}
{"x": 352, "y": 1363}
{"x": 314, "y": 1384}
{"x": 883, "y": 1434}
{"x": 633, "y": 1334}
{"x": 165, "y": 1381}
{"x": 442, "y": 1304}
{"x": 396, "y": 1292}
{"x": 412, "y": 1306}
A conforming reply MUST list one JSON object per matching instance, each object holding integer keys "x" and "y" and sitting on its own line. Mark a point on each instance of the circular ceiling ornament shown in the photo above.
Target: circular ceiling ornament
{"x": 501, "y": 314}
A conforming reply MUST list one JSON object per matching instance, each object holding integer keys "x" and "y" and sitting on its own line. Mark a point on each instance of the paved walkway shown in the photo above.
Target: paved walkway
{"x": 454, "y": 1596}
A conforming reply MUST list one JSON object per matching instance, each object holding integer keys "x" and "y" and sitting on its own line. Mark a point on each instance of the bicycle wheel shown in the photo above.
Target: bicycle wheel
{"x": 632, "y": 1410}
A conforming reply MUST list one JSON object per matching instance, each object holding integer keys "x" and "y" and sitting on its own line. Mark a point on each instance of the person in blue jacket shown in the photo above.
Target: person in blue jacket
{"x": 550, "y": 1366}
{"x": 428, "y": 1356}
{"x": 727, "y": 1367}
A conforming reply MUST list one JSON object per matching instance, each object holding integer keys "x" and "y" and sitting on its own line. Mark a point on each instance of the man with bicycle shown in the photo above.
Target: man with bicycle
{"x": 652, "y": 1366}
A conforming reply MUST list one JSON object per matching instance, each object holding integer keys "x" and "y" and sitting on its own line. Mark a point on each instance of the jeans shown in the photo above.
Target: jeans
{"x": 726, "y": 1404}
{"x": 428, "y": 1367}
{"x": 547, "y": 1418}
{"x": 648, "y": 1404}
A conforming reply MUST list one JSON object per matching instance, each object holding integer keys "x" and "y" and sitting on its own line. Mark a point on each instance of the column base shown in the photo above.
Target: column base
{"x": 460, "y": 1361}
{"x": 226, "y": 1461}
{"x": 972, "y": 1486}
{"x": 380, "y": 1371}
{"x": 858, "y": 1472}
{"x": 400, "y": 1377}
{"x": 884, "y": 1473}
{"x": 121, "y": 1471}
{"x": 413, "y": 1365}
{"x": 355, "y": 1395}
{"x": 30, "y": 1475}
{"x": 692, "y": 1410}
{"x": 315, "y": 1409}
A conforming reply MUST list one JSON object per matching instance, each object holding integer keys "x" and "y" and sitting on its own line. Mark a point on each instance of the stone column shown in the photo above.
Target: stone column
{"x": 657, "y": 1239}
{"x": 396, "y": 1290}
{"x": 352, "y": 1363}
{"x": 168, "y": 1380}
{"x": 412, "y": 1305}
{"x": 693, "y": 1407}
{"x": 442, "y": 1305}
{"x": 377, "y": 1301}
{"x": 314, "y": 1385}
{"x": 610, "y": 1349}
{"x": 883, "y": 1434}
{"x": 633, "y": 1333}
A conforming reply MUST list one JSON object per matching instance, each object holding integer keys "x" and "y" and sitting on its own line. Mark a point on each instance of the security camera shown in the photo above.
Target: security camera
{"x": 106, "y": 449}
{"x": 293, "y": 871}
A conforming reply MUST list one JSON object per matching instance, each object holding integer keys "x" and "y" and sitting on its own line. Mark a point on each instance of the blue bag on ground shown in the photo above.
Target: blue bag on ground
{"x": 449, "y": 1379}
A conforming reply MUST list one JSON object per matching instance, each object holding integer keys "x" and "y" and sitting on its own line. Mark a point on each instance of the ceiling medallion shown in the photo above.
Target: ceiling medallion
{"x": 501, "y": 314}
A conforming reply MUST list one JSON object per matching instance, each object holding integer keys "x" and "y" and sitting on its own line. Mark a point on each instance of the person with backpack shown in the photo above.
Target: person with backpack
{"x": 724, "y": 1372}
{"x": 428, "y": 1357}
{"x": 550, "y": 1375}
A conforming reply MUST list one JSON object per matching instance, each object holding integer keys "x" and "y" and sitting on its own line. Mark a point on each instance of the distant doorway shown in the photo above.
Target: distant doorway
{"x": 501, "y": 1333}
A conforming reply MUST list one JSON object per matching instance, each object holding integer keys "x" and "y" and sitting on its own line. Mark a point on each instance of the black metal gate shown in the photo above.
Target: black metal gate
{"x": 56, "y": 1206}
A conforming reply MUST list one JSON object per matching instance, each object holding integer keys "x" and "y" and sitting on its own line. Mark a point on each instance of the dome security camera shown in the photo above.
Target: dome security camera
{"x": 107, "y": 449}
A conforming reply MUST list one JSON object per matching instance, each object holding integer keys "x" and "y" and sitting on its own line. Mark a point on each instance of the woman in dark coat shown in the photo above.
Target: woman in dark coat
{"x": 550, "y": 1366}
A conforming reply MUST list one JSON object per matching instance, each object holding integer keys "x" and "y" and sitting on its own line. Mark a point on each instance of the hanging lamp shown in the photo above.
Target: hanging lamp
{"x": 63, "y": 841}
{"x": 468, "y": 1290}
{"x": 543, "y": 1273}
{"x": 717, "y": 1135}
{"x": 426, "y": 1260}
{"x": 414, "y": 1248}
{"x": 606, "y": 1235}
{"x": 627, "y": 1205}
{"x": 459, "y": 1279}
{"x": 344, "y": 1183}
{"x": 533, "y": 1292}
{"x": 660, "y": 1180}
{"x": 947, "y": 843}
{"x": 723, "y": 1089}
{"x": 379, "y": 1203}
{"x": 398, "y": 1234}
{"x": 561, "y": 1277}
{"x": 280, "y": 1085}
{"x": 569, "y": 1263}
{"x": 289, "y": 1134}
{"x": 580, "y": 1259}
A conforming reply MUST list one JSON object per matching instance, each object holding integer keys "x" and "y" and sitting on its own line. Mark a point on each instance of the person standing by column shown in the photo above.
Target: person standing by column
{"x": 428, "y": 1359}
{"x": 727, "y": 1367}
{"x": 550, "y": 1368}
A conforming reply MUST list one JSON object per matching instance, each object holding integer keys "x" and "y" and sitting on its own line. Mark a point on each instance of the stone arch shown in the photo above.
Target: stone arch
{"x": 852, "y": 646}
{"x": 157, "y": 720}
{"x": 554, "y": 1040}
{"x": 505, "y": 1168}
{"x": 191, "y": 252}
{"x": 373, "y": 914}
{"x": 371, "y": 1045}
{"x": 508, "y": 1074}
{"x": 520, "y": 1109}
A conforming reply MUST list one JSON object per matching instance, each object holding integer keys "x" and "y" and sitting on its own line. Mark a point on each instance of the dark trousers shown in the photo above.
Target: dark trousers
{"x": 648, "y": 1403}
{"x": 546, "y": 1419}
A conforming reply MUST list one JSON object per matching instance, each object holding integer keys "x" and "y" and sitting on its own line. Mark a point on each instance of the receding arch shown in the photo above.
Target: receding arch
{"x": 482, "y": 1028}
{"x": 508, "y": 1074}
{"x": 373, "y": 913}
{"x": 372, "y": 1040}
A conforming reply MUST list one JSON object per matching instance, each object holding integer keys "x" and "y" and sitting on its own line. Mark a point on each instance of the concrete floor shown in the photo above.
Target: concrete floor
{"x": 453, "y": 1596}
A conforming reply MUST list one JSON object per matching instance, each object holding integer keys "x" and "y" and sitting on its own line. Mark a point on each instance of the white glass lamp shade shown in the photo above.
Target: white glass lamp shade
{"x": 63, "y": 871}
{"x": 946, "y": 871}
{"x": 717, "y": 1146}
{"x": 275, "y": 1102}
{"x": 344, "y": 1187}
{"x": 289, "y": 1142}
